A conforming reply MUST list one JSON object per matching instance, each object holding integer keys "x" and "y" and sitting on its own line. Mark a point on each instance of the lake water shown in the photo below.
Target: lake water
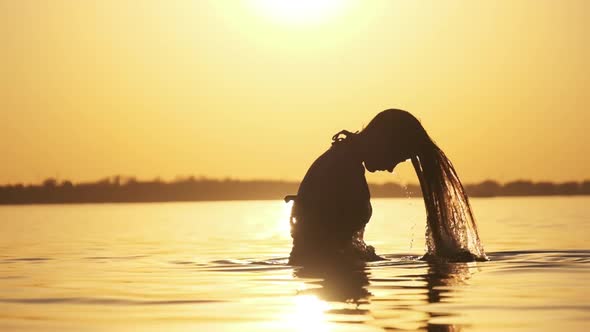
{"x": 221, "y": 266}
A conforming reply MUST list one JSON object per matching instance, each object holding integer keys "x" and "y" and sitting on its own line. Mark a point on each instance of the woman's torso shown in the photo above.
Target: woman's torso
{"x": 333, "y": 201}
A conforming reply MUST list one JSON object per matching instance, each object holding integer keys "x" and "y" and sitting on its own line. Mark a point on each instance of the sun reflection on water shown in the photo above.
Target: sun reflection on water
{"x": 308, "y": 314}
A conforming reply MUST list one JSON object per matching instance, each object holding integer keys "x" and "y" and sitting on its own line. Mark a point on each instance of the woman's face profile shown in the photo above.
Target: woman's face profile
{"x": 384, "y": 156}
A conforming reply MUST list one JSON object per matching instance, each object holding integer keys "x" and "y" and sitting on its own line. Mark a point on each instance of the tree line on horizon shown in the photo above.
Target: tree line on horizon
{"x": 120, "y": 190}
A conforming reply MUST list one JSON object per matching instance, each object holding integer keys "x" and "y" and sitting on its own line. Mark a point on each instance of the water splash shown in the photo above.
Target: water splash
{"x": 361, "y": 249}
{"x": 410, "y": 203}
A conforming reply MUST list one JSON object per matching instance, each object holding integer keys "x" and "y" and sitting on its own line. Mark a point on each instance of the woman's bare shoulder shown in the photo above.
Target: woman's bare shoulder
{"x": 332, "y": 173}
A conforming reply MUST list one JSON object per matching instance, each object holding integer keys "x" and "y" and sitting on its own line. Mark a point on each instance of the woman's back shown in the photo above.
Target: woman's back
{"x": 332, "y": 204}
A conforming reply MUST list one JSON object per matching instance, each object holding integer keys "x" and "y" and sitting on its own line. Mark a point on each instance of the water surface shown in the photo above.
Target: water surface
{"x": 221, "y": 266}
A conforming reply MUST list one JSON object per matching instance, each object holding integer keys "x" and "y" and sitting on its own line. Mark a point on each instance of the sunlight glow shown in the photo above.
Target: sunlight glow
{"x": 284, "y": 226}
{"x": 298, "y": 12}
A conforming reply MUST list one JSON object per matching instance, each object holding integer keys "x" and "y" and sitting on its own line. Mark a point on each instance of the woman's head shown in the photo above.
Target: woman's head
{"x": 393, "y": 136}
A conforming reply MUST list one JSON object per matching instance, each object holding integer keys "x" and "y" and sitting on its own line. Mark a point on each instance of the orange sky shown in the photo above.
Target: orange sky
{"x": 239, "y": 89}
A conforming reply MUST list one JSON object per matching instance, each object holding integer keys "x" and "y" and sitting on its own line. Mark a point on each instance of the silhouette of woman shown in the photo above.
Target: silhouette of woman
{"x": 333, "y": 206}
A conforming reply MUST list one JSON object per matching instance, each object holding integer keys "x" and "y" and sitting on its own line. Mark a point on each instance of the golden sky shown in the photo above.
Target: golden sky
{"x": 255, "y": 89}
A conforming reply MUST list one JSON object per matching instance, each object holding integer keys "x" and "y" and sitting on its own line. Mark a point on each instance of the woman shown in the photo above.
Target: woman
{"x": 333, "y": 205}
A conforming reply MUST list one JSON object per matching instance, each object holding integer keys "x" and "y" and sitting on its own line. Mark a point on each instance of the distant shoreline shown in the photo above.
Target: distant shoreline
{"x": 119, "y": 190}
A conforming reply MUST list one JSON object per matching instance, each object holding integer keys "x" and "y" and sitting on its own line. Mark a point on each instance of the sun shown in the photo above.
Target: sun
{"x": 299, "y": 12}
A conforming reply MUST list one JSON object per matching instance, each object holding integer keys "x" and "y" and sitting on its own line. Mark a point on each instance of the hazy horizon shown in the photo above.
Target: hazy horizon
{"x": 243, "y": 90}
{"x": 123, "y": 178}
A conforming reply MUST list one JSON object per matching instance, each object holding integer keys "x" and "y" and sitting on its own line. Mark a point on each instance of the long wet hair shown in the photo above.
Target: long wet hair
{"x": 451, "y": 231}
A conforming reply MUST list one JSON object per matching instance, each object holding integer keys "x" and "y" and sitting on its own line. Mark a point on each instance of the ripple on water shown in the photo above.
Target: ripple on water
{"x": 116, "y": 257}
{"x": 25, "y": 259}
{"x": 541, "y": 260}
{"x": 102, "y": 301}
